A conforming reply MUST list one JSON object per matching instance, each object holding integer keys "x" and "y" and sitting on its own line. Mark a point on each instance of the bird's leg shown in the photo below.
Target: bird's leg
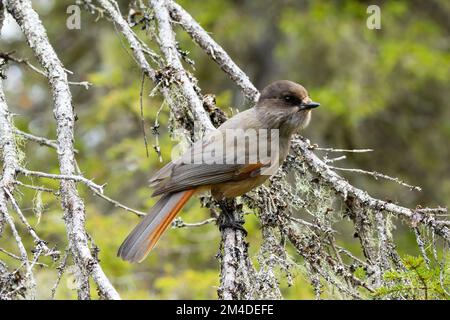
{"x": 228, "y": 218}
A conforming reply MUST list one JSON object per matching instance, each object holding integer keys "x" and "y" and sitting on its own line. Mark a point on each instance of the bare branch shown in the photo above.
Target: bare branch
{"x": 39, "y": 242}
{"x": 38, "y": 188}
{"x": 344, "y": 189}
{"x": 118, "y": 204}
{"x": 12, "y": 255}
{"x": 74, "y": 212}
{"x": 9, "y": 153}
{"x": 167, "y": 42}
{"x": 8, "y": 56}
{"x": 215, "y": 51}
{"x": 61, "y": 268}
{"x": 377, "y": 175}
{"x": 131, "y": 37}
{"x": 40, "y": 140}
{"x": 315, "y": 147}
{"x": 77, "y": 178}
{"x": 179, "y": 223}
{"x": 23, "y": 257}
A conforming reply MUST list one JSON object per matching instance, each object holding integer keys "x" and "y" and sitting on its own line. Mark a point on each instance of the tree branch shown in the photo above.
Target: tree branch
{"x": 214, "y": 50}
{"x": 346, "y": 190}
{"x": 74, "y": 211}
{"x": 167, "y": 42}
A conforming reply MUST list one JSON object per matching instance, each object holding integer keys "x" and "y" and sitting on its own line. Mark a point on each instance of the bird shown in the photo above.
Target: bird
{"x": 283, "y": 108}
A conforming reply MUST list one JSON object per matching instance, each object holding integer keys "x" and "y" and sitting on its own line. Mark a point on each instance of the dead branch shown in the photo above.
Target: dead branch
{"x": 214, "y": 50}
{"x": 74, "y": 212}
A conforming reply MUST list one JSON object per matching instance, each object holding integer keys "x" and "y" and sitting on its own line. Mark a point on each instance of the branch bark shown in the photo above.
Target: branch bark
{"x": 167, "y": 42}
{"x": 346, "y": 191}
{"x": 7, "y": 181}
{"x": 214, "y": 50}
{"x": 73, "y": 206}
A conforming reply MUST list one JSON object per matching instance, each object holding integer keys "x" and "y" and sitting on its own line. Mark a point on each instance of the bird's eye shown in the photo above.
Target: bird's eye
{"x": 288, "y": 98}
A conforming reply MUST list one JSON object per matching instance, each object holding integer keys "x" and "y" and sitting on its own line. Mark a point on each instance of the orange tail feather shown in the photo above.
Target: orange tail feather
{"x": 147, "y": 233}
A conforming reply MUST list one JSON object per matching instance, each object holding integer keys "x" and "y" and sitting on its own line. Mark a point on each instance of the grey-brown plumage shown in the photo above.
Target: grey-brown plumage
{"x": 283, "y": 105}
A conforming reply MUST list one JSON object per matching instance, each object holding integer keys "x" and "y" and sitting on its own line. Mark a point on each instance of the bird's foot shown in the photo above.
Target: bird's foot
{"x": 235, "y": 225}
{"x": 228, "y": 220}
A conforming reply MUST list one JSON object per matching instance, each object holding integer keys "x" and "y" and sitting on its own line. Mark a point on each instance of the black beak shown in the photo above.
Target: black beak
{"x": 309, "y": 105}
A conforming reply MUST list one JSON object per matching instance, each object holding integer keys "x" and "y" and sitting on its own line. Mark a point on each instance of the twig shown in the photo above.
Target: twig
{"x": 142, "y": 114}
{"x": 377, "y": 175}
{"x": 178, "y": 223}
{"x": 40, "y": 140}
{"x": 118, "y": 204}
{"x": 326, "y": 160}
{"x": 315, "y": 147}
{"x": 38, "y": 188}
{"x": 421, "y": 245}
{"x": 85, "y": 84}
{"x": 97, "y": 189}
{"x": 77, "y": 178}
{"x": 8, "y": 56}
{"x": 39, "y": 242}
{"x": 12, "y": 255}
{"x": 61, "y": 268}
{"x": 23, "y": 256}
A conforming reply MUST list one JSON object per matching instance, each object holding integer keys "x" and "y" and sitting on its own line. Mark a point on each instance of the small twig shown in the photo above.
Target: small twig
{"x": 155, "y": 132}
{"x": 23, "y": 254}
{"x": 61, "y": 268}
{"x": 315, "y": 147}
{"x": 82, "y": 179}
{"x": 311, "y": 225}
{"x": 9, "y": 57}
{"x": 55, "y": 192}
{"x": 12, "y": 255}
{"x": 97, "y": 189}
{"x": 40, "y": 140}
{"x": 326, "y": 160}
{"x": 179, "y": 223}
{"x": 39, "y": 242}
{"x": 433, "y": 210}
{"x": 118, "y": 204}
{"x": 85, "y": 84}
{"x": 421, "y": 246}
{"x": 377, "y": 175}
{"x": 142, "y": 113}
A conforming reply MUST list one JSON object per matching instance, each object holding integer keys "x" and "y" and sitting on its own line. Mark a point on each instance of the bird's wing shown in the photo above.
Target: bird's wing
{"x": 192, "y": 169}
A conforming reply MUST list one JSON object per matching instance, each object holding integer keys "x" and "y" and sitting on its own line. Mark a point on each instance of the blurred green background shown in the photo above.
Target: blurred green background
{"x": 383, "y": 89}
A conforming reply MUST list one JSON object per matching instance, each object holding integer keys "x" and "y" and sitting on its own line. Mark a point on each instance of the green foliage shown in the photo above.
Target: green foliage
{"x": 418, "y": 281}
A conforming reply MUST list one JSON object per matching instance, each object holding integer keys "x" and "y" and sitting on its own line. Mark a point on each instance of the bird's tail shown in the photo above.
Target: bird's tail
{"x": 147, "y": 233}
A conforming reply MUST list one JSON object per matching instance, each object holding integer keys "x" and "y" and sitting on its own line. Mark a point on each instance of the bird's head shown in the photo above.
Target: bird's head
{"x": 286, "y": 104}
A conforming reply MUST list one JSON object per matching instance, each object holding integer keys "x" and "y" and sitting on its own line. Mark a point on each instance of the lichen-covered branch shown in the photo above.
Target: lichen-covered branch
{"x": 347, "y": 191}
{"x": 74, "y": 211}
{"x": 9, "y": 154}
{"x": 214, "y": 50}
{"x": 167, "y": 43}
{"x": 7, "y": 183}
